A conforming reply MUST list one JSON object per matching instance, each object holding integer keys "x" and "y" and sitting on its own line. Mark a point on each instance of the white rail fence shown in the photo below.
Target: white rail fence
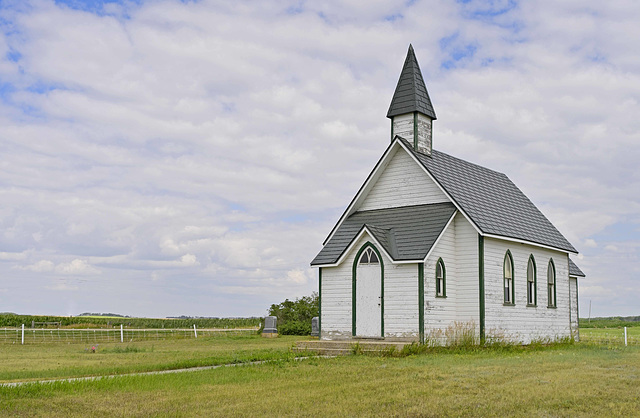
{"x": 43, "y": 335}
{"x": 612, "y": 337}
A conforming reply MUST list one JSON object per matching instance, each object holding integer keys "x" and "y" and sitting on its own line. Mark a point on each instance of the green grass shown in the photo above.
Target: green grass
{"x": 582, "y": 380}
{"x": 611, "y": 335}
{"x": 612, "y": 322}
{"x": 558, "y": 380}
{"x": 59, "y": 360}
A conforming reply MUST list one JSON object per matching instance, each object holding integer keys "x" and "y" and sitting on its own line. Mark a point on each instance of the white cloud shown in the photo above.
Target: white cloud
{"x": 42, "y": 266}
{"x": 76, "y": 267}
{"x": 224, "y": 140}
{"x": 12, "y": 256}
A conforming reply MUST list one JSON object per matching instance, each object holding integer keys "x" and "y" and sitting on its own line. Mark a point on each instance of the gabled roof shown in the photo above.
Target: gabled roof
{"x": 405, "y": 233}
{"x": 574, "y": 271}
{"x": 490, "y": 200}
{"x": 411, "y": 92}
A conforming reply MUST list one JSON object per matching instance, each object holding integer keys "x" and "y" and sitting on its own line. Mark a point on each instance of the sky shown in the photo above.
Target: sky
{"x": 163, "y": 158}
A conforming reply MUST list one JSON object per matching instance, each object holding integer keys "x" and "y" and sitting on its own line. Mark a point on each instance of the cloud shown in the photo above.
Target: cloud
{"x": 180, "y": 148}
{"x": 76, "y": 267}
{"x": 42, "y": 266}
{"x": 12, "y": 256}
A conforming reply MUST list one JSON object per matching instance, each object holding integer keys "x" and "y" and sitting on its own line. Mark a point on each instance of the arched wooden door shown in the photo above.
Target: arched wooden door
{"x": 368, "y": 294}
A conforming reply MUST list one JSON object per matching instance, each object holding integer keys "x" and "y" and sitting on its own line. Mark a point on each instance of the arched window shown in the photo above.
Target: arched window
{"x": 369, "y": 257}
{"x": 531, "y": 282}
{"x": 509, "y": 291}
{"x": 441, "y": 279}
{"x": 551, "y": 284}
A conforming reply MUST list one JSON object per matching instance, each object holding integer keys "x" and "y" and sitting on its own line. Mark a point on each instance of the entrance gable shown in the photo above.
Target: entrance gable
{"x": 402, "y": 183}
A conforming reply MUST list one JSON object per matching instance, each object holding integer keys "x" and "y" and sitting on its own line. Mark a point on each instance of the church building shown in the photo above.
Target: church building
{"x": 432, "y": 245}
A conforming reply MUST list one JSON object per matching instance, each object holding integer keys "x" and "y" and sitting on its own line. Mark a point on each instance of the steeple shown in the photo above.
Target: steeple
{"x": 411, "y": 111}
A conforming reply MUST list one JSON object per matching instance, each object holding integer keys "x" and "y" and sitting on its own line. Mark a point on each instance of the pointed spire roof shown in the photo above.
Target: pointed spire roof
{"x": 411, "y": 92}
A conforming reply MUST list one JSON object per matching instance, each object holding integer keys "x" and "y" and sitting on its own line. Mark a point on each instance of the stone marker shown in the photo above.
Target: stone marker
{"x": 270, "y": 330}
{"x": 315, "y": 329}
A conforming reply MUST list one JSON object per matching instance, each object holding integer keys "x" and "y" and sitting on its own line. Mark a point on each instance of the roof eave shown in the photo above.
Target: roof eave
{"x": 537, "y": 244}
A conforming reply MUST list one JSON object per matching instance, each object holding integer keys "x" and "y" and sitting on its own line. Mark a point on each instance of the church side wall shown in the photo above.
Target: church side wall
{"x": 573, "y": 295}
{"x": 403, "y": 183}
{"x": 440, "y": 312}
{"x": 520, "y": 322}
{"x": 468, "y": 296}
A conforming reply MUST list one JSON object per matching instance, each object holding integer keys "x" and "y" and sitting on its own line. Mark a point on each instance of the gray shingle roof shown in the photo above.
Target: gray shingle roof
{"x": 574, "y": 271}
{"x": 491, "y": 200}
{"x": 411, "y": 92}
{"x": 406, "y": 233}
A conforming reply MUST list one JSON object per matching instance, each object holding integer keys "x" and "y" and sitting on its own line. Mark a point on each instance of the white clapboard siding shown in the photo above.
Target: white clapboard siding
{"x": 336, "y": 321}
{"x": 400, "y": 300}
{"x": 402, "y": 183}
{"x": 520, "y": 322}
{"x": 403, "y": 126}
{"x": 467, "y": 293}
{"x": 573, "y": 303}
{"x": 439, "y": 312}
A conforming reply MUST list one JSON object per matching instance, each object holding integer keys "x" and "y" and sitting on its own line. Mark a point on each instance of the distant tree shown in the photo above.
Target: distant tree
{"x": 294, "y": 317}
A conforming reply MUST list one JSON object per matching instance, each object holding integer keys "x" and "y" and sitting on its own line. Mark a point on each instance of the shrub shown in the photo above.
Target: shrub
{"x": 294, "y": 317}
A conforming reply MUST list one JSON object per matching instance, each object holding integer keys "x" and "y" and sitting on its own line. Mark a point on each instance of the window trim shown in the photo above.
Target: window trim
{"x": 532, "y": 261}
{"x": 511, "y": 302}
{"x": 368, "y": 253}
{"x": 444, "y": 278}
{"x": 552, "y": 267}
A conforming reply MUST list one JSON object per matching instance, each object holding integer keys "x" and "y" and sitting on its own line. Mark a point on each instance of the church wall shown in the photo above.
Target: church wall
{"x": 402, "y": 183}
{"x": 520, "y": 322}
{"x": 441, "y": 312}
{"x": 400, "y": 298}
{"x": 401, "y": 301}
{"x": 336, "y": 314}
{"x": 573, "y": 301}
{"x": 467, "y": 293}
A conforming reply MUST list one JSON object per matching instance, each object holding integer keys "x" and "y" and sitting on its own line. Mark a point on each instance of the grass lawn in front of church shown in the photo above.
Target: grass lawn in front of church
{"x": 566, "y": 380}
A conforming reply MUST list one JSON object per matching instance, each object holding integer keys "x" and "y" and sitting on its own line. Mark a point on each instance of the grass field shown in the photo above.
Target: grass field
{"x": 566, "y": 380}
{"x": 51, "y": 360}
{"x": 611, "y": 335}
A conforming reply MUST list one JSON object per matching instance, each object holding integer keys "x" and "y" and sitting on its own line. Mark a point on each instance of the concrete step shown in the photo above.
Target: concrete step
{"x": 343, "y": 347}
{"x": 327, "y": 351}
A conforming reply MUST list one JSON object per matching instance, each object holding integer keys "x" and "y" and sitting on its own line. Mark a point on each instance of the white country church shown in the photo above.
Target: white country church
{"x": 431, "y": 242}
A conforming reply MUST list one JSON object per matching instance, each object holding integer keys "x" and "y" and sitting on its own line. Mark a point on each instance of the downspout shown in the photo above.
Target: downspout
{"x": 319, "y": 303}
{"x": 481, "y": 285}
{"x": 421, "y": 301}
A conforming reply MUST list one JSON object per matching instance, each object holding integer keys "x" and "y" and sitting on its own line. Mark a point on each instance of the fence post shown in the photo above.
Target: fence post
{"x": 22, "y": 334}
{"x": 195, "y": 332}
{"x": 121, "y": 334}
{"x": 625, "y": 336}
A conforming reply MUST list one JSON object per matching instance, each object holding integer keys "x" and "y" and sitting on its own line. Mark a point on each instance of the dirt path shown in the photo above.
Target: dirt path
{"x": 112, "y": 376}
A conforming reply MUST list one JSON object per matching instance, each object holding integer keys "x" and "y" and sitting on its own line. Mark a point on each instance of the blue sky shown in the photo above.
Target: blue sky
{"x": 189, "y": 157}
